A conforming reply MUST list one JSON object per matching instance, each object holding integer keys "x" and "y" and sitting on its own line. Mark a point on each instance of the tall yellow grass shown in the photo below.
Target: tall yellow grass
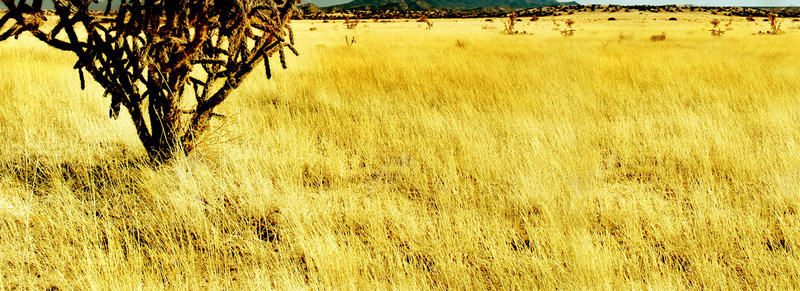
{"x": 453, "y": 158}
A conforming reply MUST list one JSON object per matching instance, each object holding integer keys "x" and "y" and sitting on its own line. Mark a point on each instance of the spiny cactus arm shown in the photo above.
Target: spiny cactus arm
{"x": 268, "y": 38}
{"x": 5, "y": 18}
{"x": 25, "y": 17}
{"x": 266, "y": 44}
{"x": 30, "y": 17}
{"x": 108, "y": 7}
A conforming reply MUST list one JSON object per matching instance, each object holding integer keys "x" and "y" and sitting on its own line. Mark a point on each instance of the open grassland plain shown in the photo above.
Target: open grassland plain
{"x": 451, "y": 158}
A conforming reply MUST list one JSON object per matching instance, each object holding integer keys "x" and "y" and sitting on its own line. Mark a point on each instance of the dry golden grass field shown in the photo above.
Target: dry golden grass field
{"x": 456, "y": 158}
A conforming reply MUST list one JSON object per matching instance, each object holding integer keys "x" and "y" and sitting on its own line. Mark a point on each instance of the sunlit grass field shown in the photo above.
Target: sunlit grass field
{"x": 452, "y": 158}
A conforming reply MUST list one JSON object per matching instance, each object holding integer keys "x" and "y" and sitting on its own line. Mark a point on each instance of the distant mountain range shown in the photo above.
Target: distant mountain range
{"x": 446, "y": 4}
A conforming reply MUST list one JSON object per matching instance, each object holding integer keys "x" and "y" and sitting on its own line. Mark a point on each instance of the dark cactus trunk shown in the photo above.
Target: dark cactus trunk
{"x": 165, "y": 124}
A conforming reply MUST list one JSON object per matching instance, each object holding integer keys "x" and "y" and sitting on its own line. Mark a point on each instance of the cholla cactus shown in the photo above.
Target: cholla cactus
{"x": 716, "y": 31}
{"x": 350, "y": 24}
{"x": 512, "y": 19}
{"x": 568, "y": 31}
{"x": 144, "y": 55}
{"x": 774, "y": 24}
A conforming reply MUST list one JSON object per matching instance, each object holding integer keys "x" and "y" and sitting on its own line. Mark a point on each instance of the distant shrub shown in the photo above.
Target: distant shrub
{"x": 568, "y": 31}
{"x": 673, "y": 19}
{"x": 716, "y": 31}
{"x": 774, "y": 23}
{"x": 751, "y": 18}
{"x": 659, "y": 37}
{"x": 612, "y": 19}
{"x": 489, "y": 20}
{"x": 351, "y": 24}
{"x": 509, "y": 25}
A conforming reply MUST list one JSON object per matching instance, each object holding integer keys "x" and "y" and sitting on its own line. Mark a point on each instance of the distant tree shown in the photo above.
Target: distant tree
{"x": 144, "y": 54}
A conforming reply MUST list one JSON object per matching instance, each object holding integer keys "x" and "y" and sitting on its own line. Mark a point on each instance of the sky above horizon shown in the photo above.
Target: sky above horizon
{"x": 48, "y": 4}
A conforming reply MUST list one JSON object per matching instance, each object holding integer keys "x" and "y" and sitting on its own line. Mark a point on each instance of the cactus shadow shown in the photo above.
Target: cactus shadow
{"x": 111, "y": 174}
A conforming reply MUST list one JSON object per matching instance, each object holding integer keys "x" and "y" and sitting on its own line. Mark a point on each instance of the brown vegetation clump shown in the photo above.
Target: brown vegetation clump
{"x": 659, "y": 37}
{"x": 716, "y": 30}
{"x": 428, "y": 23}
{"x": 774, "y": 24}
{"x": 568, "y": 31}
{"x": 509, "y": 25}
{"x": 624, "y": 37}
{"x": 350, "y": 24}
